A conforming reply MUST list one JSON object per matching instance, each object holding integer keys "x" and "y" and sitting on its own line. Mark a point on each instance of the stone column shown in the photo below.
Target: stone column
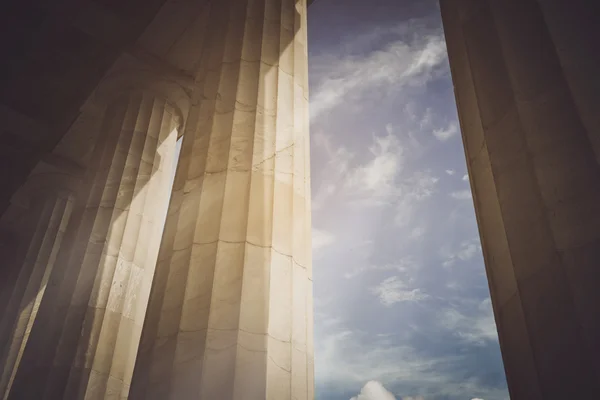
{"x": 230, "y": 312}
{"x": 536, "y": 189}
{"x": 47, "y": 197}
{"x": 84, "y": 340}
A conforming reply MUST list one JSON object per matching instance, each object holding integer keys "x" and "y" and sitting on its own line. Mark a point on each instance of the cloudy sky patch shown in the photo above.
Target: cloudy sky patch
{"x": 402, "y": 308}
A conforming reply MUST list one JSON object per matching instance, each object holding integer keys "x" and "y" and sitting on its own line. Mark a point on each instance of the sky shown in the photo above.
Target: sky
{"x": 402, "y": 308}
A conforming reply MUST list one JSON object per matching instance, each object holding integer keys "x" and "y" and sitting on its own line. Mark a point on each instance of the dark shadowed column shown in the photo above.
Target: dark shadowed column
{"x": 47, "y": 199}
{"x": 529, "y": 136}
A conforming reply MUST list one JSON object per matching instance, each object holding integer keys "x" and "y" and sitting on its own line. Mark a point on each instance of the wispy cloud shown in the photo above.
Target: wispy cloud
{"x": 379, "y": 179}
{"x": 400, "y": 63}
{"x": 478, "y": 328}
{"x": 417, "y": 188}
{"x": 447, "y": 132}
{"x": 450, "y": 172}
{"x": 465, "y": 251}
{"x": 461, "y": 194}
{"x": 321, "y": 239}
{"x": 347, "y": 357}
{"x": 404, "y": 266}
{"x": 395, "y": 290}
{"x": 376, "y": 178}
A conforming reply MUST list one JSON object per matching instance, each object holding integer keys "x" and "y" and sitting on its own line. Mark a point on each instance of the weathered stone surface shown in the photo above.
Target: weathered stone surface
{"x": 84, "y": 339}
{"x": 230, "y": 313}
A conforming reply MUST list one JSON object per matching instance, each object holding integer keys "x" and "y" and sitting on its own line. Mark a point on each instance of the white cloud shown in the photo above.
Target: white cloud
{"x": 477, "y": 329}
{"x": 400, "y": 63}
{"x": 417, "y": 232}
{"x": 414, "y": 190}
{"x": 393, "y": 290}
{"x": 461, "y": 194}
{"x": 426, "y": 119}
{"x": 376, "y": 178}
{"x": 465, "y": 177}
{"x": 477, "y": 398}
{"x": 450, "y": 172}
{"x": 380, "y": 179}
{"x": 374, "y": 390}
{"x": 403, "y": 266}
{"x": 466, "y": 250}
{"x": 446, "y": 133}
{"x": 347, "y": 357}
{"x": 321, "y": 239}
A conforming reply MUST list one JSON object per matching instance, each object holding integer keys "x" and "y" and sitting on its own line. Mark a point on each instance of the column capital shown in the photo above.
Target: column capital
{"x": 53, "y": 176}
{"x": 129, "y": 76}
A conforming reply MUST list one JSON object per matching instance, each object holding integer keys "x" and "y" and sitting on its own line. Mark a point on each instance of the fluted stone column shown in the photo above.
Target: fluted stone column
{"x": 230, "y": 312}
{"x": 536, "y": 188}
{"x": 84, "y": 340}
{"x": 48, "y": 198}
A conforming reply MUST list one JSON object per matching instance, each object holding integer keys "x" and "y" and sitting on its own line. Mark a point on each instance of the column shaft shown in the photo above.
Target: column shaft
{"x": 27, "y": 290}
{"x": 230, "y": 312}
{"x": 84, "y": 341}
{"x": 536, "y": 188}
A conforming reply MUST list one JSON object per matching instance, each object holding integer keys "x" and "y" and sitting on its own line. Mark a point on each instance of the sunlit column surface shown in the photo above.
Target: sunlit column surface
{"x": 529, "y": 138}
{"x": 230, "y": 312}
{"x": 84, "y": 340}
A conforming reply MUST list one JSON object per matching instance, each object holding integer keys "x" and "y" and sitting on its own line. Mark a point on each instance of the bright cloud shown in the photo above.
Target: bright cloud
{"x": 376, "y": 178}
{"x": 461, "y": 194}
{"x": 450, "y": 172}
{"x": 477, "y": 329}
{"x": 398, "y": 64}
{"x": 415, "y": 190}
{"x": 394, "y": 290}
{"x": 446, "y": 133}
{"x": 466, "y": 250}
{"x": 374, "y": 390}
{"x": 465, "y": 177}
{"x": 321, "y": 239}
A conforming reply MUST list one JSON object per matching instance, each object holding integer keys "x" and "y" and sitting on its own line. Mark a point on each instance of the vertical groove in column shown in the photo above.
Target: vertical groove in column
{"x": 109, "y": 211}
{"x": 301, "y": 329}
{"x": 279, "y": 362}
{"x": 93, "y": 318}
{"x": 154, "y": 366}
{"x": 215, "y": 326}
{"x": 35, "y": 271}
{"x": 37, "y": 357}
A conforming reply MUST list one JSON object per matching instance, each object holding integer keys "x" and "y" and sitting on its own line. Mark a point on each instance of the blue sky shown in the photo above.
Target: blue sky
{"x": 402, "y": 309}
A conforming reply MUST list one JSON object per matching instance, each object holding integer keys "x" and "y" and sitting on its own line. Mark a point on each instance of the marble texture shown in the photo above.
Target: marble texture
{"x": 84, "y": 340}
{"x": 230, "y": 311}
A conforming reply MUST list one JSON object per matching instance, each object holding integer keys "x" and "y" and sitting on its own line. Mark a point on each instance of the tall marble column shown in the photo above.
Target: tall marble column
{"x": 230, "y": 312}
{"x": 47, "y": 197}
{"x": 529, "y": 142}
{"x": 84, "y": 340}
